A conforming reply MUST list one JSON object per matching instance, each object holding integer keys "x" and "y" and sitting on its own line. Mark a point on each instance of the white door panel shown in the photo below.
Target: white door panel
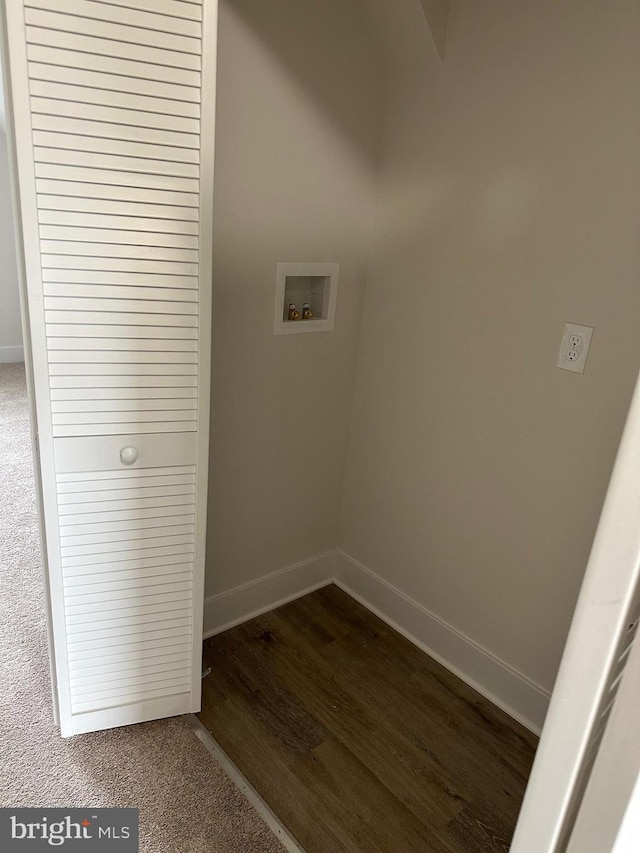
{"x": 112, "y": 108}
{"x": 602, "y": 641}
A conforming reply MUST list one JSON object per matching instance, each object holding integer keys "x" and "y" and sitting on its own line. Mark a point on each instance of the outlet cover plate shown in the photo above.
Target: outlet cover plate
{"x": 574, "y": 347}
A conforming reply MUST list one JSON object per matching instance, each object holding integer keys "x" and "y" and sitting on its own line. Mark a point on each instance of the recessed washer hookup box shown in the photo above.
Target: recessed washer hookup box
{"x": 80, "y": 830}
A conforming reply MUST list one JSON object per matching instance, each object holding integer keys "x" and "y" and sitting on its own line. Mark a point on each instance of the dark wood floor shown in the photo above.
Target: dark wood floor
{"x": 357, "y": 739}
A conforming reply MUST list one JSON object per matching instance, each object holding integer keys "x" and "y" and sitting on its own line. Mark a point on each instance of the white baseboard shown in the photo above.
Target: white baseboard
{"x": 238, "y": 605}
{"x": 11, "y": 354}
{"x": 507, "y": 688}
{"x": 499, "y": 682}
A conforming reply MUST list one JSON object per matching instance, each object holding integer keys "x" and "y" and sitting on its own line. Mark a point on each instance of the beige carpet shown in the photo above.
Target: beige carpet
{"x": 187, "y": 804}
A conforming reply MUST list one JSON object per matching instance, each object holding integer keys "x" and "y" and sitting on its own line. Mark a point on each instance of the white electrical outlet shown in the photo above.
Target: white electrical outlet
{"x": 574, "y": 347}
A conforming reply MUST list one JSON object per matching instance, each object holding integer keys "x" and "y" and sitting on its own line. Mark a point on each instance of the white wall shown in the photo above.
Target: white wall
{"x": 509, "y": 204}
{"x": 506, "y": 202}
{"x": 10, "y": 324}
{"x": 299, "y": 120}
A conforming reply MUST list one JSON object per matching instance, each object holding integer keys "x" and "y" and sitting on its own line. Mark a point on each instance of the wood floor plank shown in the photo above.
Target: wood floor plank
{"x": 441, "y": 725}
{"x": 326, "y": 685}
{"x": 357, "y": 739}
{"x": 315, "y": 812}
{"x": 322, "y": 810}
{"x": 478, "y": 828}
{"x": 420, "y": 681}
{"x": 265, "y": 693}
{"x": 398, "y": 829}
{"x": 431, "y": 715}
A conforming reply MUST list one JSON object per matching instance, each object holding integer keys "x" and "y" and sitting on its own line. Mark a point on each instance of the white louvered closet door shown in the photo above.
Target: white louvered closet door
{"x": 112, "y": 112}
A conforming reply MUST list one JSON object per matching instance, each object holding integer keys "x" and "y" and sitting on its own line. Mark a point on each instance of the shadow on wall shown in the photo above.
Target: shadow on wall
{"x": 299, "y": 96}
{"x": 508, "y": 205}
{"x": 398, "y": 32}
{"x": 321, "y": 61}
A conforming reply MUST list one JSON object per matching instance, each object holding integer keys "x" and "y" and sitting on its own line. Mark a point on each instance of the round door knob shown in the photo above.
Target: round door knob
{"x": 128, "y": 455}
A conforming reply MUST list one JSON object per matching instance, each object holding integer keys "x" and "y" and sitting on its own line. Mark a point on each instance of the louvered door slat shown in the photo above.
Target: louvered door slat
{"x": 189, "y": 9}
{"x": 88, "y": 219}
{"x": 141, "y": 539}
{"x": 84, "y": 660}
{"x": 117, "y": 192}
{"x": 142, "y": 565}
{"x": 119, "y": 599}
{"x": 126, "y": 133}
{"x": 118, "y": 356}
{"x": 109, "y": 82}
{"x": 137, "y": 696}
{"x": 95, "y": 502}
{"x": 87, "y": 481}
{"x": 72, "y": 407}
{"x": 85, "y": 642}
{"x": 120, "y": 634}
{"x": 94, "y": 96}
{"x": 141, "y": 257}
{"x": 104, "y": 396}
{"x": 114, "y": 143}
{"x": 114, "y": 167}
{"x": 66, "y": 57}
{"x": 140, "y": 522}
{"x": 151, "y": 610}
{"x": 77, "y": 265}
{"x": 148, "y": 345}
{"x": 151, "y": 288}
{"x": 94, "y": 144}
{"x": 63, "y": 269}
{"x": 181, "y": 288}
{"x": 149, "y": 209}
{"x": 96, "y": 693}
{"x": 89, "y": 383}
{"x": 128, "y": 548}
{"x": 127, "y": 427}
{"x": 124, "y": 651}
{"x": 114, "y": 237}
{"x": 182, "y": 13}
{"x": 70, "y": 564}
{"x": 154, "y": 416}
{"x": 129, "y": 298}
{"x": 99, "y": 11}
{"x": 114, "y": 332}
{"x": 86, "y": 686}
{"x": 129, "y": 520}
{"x": 122, "y": 318}
{"x": 65, "y": 109}
{"x": 133, "y": 530}
{"x": 88, "y": 493}
{"x": 90, "y": 369}
{"x": 146, "y": 614}
{"x": 88, "y": 24}
{"x": 109, "y": 47}
{"x": 105, "y": 672}
{"x": 156, "y": 571}
{"x": 109, "y": 673}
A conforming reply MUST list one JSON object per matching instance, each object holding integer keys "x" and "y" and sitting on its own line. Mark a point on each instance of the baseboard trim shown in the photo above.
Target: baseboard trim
{"x": 510, "y": 690}
{"x": 8, "y": 355}
{"x": 517, "y": 695}
{"x": 231, "y": 608}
